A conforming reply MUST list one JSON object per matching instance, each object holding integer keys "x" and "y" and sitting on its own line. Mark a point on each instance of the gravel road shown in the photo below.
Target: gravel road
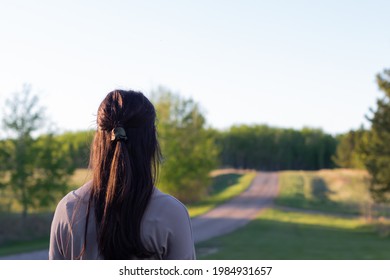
{"x": 238, "y": 211}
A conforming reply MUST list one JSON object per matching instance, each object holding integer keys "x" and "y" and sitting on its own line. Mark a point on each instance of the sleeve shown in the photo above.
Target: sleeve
{"x": 180, "y": 239}
{"x": 59, "y": 233}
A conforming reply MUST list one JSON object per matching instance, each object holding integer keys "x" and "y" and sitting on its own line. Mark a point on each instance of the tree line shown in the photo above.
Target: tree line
{"x": 267, "y": 148}
{"x": 36, "y": 169}
{"x": 258, "y": 147}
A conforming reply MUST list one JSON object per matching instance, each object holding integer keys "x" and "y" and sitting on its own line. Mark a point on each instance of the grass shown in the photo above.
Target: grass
{"x": 24, "y": 246}
{"x": 341, "y": 191}
{"x": 284, "y": 235}
{"x": 18, "y": 235}
{"x": 224, "y": 187}
{"x": 79, "y": 178}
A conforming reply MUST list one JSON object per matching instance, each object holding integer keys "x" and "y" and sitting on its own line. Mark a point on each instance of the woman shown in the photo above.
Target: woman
{"x": 120, "y": 214}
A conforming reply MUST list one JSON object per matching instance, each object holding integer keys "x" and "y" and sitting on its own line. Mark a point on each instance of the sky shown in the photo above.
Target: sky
{"x": 290, "y": 64}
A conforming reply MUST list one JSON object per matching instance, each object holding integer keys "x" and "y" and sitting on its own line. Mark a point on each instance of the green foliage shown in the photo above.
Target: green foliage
{"x": 79, "y": 145}
{"x": 188, "y": 147}
{"x": 36, "y": 169}
{"x": 348, "y": 152}
{"x": 266, "y": 148}
{"x": 376, "y": 144}
{"x": 52, "y": 169}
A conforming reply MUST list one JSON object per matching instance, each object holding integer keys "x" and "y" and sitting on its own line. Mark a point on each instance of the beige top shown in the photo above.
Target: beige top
{"x": 165, "y": 227}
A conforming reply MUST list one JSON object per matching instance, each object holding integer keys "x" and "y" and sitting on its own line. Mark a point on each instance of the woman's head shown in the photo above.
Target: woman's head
{"x": 124, "y": 158}
{"x": 133, "y": 113}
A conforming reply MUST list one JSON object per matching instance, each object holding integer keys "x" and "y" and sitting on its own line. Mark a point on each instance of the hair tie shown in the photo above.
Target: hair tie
{"x": 118, "y": 133}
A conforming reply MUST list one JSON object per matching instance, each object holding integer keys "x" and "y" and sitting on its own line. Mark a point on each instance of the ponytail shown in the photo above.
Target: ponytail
{"x": 124, "y": 158}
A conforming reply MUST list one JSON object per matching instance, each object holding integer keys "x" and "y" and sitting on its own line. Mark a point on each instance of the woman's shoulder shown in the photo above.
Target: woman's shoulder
{"x": 165, "y": 202}
{"x": 167, "y": 228}
{"x": 79, "y": 196}
{"x": 164, "y": 209}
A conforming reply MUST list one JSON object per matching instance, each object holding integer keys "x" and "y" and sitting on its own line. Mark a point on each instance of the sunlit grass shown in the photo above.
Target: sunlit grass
{"x": 80, "y": 177}
{"x": 339, "y": 190}
{"x": 224, "y": 187}
{"x": 278, "y": 234}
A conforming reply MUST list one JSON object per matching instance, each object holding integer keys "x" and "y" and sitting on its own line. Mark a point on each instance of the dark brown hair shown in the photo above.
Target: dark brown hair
{"x": 124, "y": 173}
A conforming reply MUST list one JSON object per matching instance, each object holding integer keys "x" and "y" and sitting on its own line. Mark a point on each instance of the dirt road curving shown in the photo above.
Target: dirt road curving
{"x": 225, "y": 218}
{"x": 238, "y": 211}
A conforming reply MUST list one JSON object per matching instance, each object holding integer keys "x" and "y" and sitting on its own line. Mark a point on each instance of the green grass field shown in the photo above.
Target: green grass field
{"x": 279, "y": 234}
{"x": 17, "y": 247}
{"x": 338, "y": 191}
{"x": 285, "y": 235}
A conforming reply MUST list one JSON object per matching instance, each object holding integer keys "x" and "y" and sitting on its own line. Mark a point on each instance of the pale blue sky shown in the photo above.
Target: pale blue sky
{"x": 283, "y": 63}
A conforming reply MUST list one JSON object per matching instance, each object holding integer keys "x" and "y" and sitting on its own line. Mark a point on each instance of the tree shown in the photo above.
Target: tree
{"x": 78, "y": 143}
{"x": 375, "y": 148}
{"x": 37, "y": 167}
{"x": 188, "y": 148}
{"x": 348, "y": 154}
{"x": 267, "y": 148}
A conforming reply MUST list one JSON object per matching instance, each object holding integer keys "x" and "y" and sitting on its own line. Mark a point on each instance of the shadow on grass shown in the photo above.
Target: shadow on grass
{"x": 319, "y": 190}
{"x": 18, "y": 247}
{"x": 272, "y": 239}
{"x": 221, "y": 182}
{"x": 301, "y": 236}
{"x": 314, "y": 194}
